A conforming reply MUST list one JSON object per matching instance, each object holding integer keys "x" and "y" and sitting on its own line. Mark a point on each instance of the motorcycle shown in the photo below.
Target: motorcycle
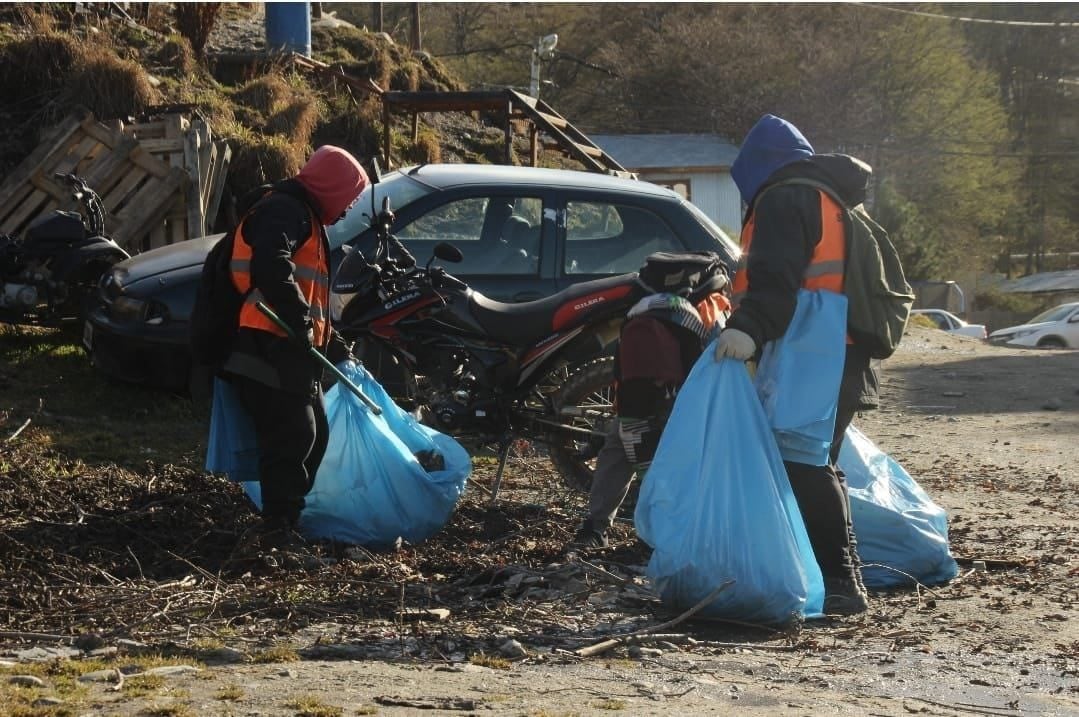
{"x": 47, "y": 275}
{"x": 486, "y": 372}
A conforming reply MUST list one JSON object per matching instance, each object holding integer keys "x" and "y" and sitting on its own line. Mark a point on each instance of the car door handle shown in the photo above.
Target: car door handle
{"x": 527, "y": 296}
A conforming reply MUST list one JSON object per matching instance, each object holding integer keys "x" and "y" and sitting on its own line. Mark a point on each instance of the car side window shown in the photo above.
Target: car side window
{"x": 939, "y": 320}
{"x": 604, "y": 238}
{"x": 496, "y": 235}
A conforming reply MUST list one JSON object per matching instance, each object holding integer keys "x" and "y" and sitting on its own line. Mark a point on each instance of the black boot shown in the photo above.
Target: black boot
{"x": 589, "y": 536}
{"x": 843, "y": 596}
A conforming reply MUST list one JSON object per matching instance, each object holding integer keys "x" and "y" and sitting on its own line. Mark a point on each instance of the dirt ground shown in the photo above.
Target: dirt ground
{"x": 989, "y": 432}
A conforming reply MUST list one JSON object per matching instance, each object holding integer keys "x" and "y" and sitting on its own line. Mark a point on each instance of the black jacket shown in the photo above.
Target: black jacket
{"x": 275, "y": 227}
{"x": 787, "y": 225}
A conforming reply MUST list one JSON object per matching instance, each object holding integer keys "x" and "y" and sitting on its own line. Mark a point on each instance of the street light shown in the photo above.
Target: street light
{"x": 544, "y": 50}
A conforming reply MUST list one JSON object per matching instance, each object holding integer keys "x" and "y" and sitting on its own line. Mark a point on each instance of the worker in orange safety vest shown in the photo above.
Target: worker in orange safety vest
{"x": 793, "y": 237}
{"x": 281, "y": 258}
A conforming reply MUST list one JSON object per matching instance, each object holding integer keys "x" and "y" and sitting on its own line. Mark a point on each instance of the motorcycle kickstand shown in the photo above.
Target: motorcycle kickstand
{"x": 503, "y": 455}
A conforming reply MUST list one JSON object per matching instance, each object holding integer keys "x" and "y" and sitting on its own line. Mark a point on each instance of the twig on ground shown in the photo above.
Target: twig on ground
{"x": 40, "y": 636}
{"x": 920, "y": 585}
{"x": 605, "y": 573}
{"x": 960, "y": 707}
{"x": 606, "y": 645}
{"x": 119, "y": 682}
{"x": 18, "y": 430}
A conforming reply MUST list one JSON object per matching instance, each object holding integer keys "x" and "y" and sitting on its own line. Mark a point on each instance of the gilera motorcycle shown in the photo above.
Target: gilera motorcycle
{"x": 47, "y": 275}
{"x": 483, "y": 371}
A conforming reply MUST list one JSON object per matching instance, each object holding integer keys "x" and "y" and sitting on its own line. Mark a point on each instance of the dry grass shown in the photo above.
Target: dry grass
{"x": 110, "y": 87}
{"x": 277, "y": 653}
{"x": 265, "y": 95}
{"x": 312, "y": 706}
{"x": 494, "y": 662}
{"x": 196, "y": 20}
{"x": 296, "y": 121}
{"x": 176, "y": 53}
{"x": 230, "y": 693}
{"x": 259, "y": 158}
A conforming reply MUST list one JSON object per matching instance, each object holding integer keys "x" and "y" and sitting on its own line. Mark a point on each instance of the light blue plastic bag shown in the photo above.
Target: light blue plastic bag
{"x": 716, "y": 505}
{"x": 896, "y": 523}
{"x": 799, "y": 375}
{"x": 370, "y": 489}
{"x": 231, "y": 447}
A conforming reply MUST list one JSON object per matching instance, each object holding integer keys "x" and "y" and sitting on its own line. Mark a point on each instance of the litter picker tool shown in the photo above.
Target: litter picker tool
{"x": 321, "y": 359}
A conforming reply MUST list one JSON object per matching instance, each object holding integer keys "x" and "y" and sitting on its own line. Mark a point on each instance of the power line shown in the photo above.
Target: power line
{"x": 962, "y": 18}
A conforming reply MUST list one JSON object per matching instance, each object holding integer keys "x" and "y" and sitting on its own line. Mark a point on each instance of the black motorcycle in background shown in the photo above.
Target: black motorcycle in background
{"x": 47, "y": 274}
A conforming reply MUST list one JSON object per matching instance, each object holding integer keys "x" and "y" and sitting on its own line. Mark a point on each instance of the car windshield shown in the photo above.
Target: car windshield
{"x": 1056, "y": 314}
{"x": 714, "y": 230}
{"x": 401, "y": 190}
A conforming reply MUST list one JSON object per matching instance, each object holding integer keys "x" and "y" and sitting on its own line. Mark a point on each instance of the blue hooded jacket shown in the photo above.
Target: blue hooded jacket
{"x": 772, "y": 143}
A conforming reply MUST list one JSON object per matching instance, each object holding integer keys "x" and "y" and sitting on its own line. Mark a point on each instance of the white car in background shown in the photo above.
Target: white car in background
{"x": 951, "y": 323}
{"x": 1057, "y": 328}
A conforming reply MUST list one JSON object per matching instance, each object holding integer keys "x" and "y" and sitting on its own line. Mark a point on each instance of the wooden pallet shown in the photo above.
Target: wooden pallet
{"x": 161, "y": 182}
{"x": 135, "y": 187}
{"x": 187, "y": 144}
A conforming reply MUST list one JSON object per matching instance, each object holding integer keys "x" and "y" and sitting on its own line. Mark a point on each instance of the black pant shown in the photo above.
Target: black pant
{"x": 292, "y": 433}
{"x": 821, "y": 492}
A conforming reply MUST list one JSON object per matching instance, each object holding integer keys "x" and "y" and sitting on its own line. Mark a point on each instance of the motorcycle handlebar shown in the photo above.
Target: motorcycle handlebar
{"x": 81, "y": 192}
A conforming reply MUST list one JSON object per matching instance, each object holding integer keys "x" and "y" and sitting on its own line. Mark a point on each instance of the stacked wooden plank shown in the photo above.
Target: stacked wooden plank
{"x": 156, "y": 189}
{"x": 186, "y": 144}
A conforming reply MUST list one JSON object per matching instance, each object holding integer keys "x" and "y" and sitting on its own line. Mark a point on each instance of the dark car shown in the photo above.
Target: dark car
{"x": 525, "y": 233}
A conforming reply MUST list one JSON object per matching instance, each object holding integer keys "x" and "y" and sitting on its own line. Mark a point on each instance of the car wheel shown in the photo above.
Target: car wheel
{"x": 1052, "y": 342}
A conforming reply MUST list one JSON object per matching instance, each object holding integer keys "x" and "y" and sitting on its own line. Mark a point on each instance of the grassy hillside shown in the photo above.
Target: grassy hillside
{"x": 271, "y": 113}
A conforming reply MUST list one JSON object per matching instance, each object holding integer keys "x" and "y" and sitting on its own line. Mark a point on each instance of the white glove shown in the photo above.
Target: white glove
{"x": 735, "y": 344}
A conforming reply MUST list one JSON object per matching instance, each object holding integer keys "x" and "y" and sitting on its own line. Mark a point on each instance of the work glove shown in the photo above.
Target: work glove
{"x": 735, "y": 344}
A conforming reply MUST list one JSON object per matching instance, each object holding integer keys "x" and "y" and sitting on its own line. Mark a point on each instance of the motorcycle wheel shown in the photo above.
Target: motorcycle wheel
{"x": 585, "y": 400}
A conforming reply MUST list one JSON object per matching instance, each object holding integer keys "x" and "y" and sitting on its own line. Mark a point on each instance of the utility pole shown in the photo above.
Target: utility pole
{"x": 414, "y": 37}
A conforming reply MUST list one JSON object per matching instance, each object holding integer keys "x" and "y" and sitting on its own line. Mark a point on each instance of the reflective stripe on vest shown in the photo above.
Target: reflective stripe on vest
{"x": 825, "y": 270}
{"x": 312, "y": 275}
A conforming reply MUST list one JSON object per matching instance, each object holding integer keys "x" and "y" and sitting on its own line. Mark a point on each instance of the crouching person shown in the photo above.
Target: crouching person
{"x": 662, "y": 338}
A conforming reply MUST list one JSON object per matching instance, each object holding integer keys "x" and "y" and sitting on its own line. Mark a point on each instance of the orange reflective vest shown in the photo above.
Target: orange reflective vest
{"x": 312, "y": 275}
{"x": 825, "y": 270}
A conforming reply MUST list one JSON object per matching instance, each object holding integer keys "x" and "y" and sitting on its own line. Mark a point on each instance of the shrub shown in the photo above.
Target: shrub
{"x": 196, "y": 21}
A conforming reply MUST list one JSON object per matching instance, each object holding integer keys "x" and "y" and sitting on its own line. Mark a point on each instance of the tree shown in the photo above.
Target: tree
{"x": 1037, "y": 70}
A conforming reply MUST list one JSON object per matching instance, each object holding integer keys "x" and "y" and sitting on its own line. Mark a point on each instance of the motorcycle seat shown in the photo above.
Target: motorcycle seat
{"x": 527, "y": 322}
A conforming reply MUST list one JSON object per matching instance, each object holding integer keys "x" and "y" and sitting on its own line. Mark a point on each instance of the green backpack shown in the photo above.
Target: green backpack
{"x": 879, "y": 298}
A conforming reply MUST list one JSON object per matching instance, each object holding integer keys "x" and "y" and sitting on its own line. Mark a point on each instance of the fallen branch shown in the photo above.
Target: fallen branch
{"x": 604, "y": 573}
{"x": 919, "y": 584}
{"x": 18, "y": 430}
{"x": 40, "y": 636}
{"x": 997, "y": 563}
{"x": 958, "y": 707}
{"x": 119, "y": 682}
{"x": 601, "y": 647}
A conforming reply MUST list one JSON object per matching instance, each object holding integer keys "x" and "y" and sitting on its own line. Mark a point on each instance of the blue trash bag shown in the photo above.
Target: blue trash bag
{"x": 896, "y": 523}
{"x": 231, "y": 447}
{"x": 802, "y": 412}
{"x": 716, "y": 505}
{"x": 370, "y": 488}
